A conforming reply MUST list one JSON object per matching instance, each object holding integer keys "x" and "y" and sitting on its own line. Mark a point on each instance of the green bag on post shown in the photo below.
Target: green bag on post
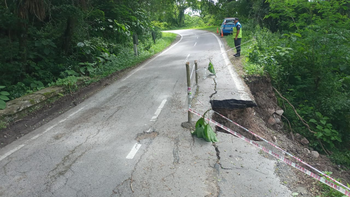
{"x": 204, "y": 130}
{"x": 211, "y": 68}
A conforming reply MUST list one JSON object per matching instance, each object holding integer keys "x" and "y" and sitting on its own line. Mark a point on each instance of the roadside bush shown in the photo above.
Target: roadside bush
{"x": 309, "y": 72}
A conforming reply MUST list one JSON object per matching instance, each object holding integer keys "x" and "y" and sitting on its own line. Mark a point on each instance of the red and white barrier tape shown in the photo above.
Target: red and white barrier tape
{"x": 315, "y": 176}
{"x": 284, "y": 151}
{"x": 272, "y": 144}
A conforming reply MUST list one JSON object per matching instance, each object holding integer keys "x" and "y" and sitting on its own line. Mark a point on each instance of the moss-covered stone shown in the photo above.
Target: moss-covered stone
{"x": 20, "y": 107}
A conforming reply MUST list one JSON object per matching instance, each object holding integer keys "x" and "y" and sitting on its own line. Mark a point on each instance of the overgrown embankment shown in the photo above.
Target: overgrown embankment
{"x": 308, "y": 68}
{"x": 47, "y": 43}
{"x": 34, "y": 109}
{"x": 308, "y": 64}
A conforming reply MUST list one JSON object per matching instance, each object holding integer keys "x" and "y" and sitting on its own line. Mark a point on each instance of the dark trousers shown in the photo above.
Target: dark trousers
{"x": 238, "y": 45}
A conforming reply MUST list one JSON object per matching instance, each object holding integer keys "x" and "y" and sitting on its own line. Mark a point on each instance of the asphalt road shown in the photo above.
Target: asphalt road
{"x": 126, "y": 140}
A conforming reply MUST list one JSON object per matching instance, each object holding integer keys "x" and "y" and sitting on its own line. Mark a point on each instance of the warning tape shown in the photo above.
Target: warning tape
{"x": 282, "y": 158}
{"x": 272, "y": 144}
{"x": 283, "y": 151}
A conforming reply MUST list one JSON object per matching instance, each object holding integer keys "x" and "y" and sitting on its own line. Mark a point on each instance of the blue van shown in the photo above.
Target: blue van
{"x": 227, "y": 26}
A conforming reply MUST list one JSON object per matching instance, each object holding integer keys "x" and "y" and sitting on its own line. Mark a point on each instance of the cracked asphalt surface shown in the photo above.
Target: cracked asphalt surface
{"x": 123, "y": 142}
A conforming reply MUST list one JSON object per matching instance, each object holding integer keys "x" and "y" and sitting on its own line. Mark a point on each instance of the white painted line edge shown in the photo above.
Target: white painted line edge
{"x": 153, "y": 59}
{"x": 195, "y": 44}
{"x": 236, "y": 80}
{"x": 76, "y": 112}
{"x": 188, "y": 56}
{"x": 133, "y": 151}
{"x": 156, "y": 114}
{"x": 38, "y": 135}
{"x": 71, "y": 115}
{"x": 10, "y": 152}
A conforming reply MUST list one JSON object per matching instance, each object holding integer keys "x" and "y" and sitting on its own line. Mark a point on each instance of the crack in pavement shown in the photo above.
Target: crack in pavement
{"x": 176, "y": 151}
{"x": 118, "y": 108}
{"x": 116, "y": 189}
{"x": 218, "y": 157}
{"x": 66, "y": 163}
{"x": 5, "y": 166}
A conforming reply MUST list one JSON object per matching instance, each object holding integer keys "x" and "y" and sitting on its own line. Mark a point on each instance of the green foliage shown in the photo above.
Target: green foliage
{"x": 299, "y": 68}
{"x": 3, "y": 97}
{"x": 160, "y": 25}
{"x": 303, "y": 46}
{"x": 254, "y": 69}
{"x": 60, "y": 42}
{"x": 341, "y": 158}
{"x": 324, "y": 130}
{"x": 68, "y": 82}
{"x": 204, "y": 130}
{"x": 211, "y": 68}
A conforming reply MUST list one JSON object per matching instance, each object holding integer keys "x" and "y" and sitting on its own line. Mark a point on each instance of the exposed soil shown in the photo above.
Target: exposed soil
{"x": 37, "y": 118}
{"x": 266, "y": 121}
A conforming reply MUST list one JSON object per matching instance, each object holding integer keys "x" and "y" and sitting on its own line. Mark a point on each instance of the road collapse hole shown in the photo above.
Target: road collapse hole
{"x": 146, "y": 135}
{"x": 241, "y": 112}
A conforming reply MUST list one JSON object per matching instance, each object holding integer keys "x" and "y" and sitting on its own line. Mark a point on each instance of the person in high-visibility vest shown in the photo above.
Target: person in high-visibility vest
{"x": 237, "y": 33}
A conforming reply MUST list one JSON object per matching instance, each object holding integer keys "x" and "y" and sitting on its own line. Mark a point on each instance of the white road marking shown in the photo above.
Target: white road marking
{"x": 236, "y": 80}
{"x": 192, "y": 71}
{"x": 71, "y": 115}
{"x": 38, "y": 135}
{"x": 195, "y": 44}
{"x": 133, "y": 151}
{"x": 153, "y": 59}
{"x": 33, "y": 138}
{"x": 48, "y": 129}
{"x": 188, "y": 56}
{"x": 76, "y": 112}
{"x": 10, "y": 152}
{"x": 156, "y": 114}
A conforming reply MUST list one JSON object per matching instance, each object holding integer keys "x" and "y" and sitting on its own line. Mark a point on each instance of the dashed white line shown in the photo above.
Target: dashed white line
{"x": 156, "y": 114}
{"x": 10, "y": 152}
{"x": 195, "y": 44}
{"x": 188, "y": 56}
{"x": 133, "y": 151}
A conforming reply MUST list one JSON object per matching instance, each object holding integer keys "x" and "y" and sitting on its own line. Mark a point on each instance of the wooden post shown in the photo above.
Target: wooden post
{"x": 189, "y": 90}
{"x": 196, "y": 68}
{"x": 136, "y": 42}
{"x": 189, "y": 124}
{"x": 135, "y": 50}
{"x": 154, "y": 37}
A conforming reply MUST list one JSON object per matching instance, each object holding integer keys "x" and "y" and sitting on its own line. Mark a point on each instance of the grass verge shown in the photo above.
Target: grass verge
{"x": 111, "y": 63}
